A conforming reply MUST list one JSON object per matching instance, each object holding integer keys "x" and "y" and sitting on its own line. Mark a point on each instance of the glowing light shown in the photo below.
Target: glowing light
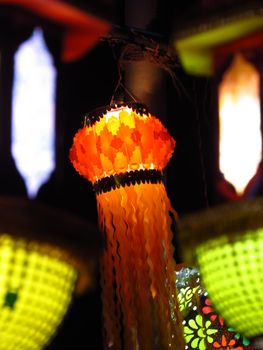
{"x": 33, "y": 112}
{"x": 35, "y": 292}
{"x": 116, "y": 154}
{"x": 231, "y": 268}
{"x": 239, "y": 118}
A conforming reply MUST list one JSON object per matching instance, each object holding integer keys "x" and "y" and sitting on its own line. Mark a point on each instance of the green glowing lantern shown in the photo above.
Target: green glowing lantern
{"x": 226, "y": 243}
{"x": 36, "y": 289}
{"x": 45, "y": 257}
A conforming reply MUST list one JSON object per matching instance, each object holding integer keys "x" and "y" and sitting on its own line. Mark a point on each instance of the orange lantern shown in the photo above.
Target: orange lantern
{"x": 122, "y": 150}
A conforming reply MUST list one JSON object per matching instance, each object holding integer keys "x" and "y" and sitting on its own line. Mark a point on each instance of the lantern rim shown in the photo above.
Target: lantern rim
{"x": 231, "y": 219}
{"x": 55, "y": 232}
{"x": 96, "y": 114}
{"x": 113, "y": 182}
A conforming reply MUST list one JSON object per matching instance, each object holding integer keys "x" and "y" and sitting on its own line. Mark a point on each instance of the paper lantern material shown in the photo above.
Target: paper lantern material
{"x": 35, "y": 292}
{"x": 46, "y": 255}
{"x": 121, "y": 140}
{"x": 122, "y": 150}
{"x": 226, "y": 243}
{"x": 232, "y": 267}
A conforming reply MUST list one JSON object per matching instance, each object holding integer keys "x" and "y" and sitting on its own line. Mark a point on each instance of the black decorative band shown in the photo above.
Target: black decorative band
{"x": 92, "y": 117}
{"x": 127, "y": 179}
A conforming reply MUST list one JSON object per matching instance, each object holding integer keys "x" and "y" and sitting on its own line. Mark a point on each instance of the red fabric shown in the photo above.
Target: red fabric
{"x": 251, "y": 41}
{"x": 83, "y": 30}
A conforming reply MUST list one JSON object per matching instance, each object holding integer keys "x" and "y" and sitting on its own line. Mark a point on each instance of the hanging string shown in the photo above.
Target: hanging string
{"x": 138, "y": 45}
{"x": 119, "y": 61}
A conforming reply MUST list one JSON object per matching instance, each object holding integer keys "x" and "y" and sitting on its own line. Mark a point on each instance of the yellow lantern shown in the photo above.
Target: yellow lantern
{"x": 41, "y": 267}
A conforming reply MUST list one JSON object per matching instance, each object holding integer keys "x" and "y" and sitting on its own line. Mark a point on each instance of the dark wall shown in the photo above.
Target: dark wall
{"x": 87, "y": 84}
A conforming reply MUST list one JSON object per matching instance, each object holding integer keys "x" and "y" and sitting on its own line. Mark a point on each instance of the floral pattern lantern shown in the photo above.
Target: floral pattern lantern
{"x": 204, "y": 328}
{"x": 225, "y": 242}
{"x": 123, "y": 150}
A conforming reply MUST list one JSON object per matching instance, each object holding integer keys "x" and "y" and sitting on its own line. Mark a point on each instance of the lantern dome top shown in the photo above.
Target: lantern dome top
{"x": 229, "y": 219}
{"x": 52, "y": 232}
{"x": 120, "y": 139}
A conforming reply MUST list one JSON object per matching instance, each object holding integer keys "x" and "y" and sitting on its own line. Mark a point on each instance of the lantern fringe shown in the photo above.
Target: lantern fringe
{"x": 138, "y": 279}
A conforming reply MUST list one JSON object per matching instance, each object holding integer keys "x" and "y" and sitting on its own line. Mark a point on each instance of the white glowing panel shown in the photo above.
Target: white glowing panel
{"x": 33, "y": 118}
{"x": 239, "y": 123}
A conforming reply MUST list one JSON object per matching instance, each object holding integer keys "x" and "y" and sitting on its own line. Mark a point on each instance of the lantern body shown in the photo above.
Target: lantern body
{"x": 231, "y": 268}
{"x": 120, "y": 140}
{"x": 35, "y": 292}
{"x": 122, "y": 151}
{"x": 226, "y": 242}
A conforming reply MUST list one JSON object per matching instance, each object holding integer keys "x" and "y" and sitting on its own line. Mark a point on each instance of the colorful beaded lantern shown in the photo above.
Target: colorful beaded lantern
{"x": 203, "y": 327}
{"x": 122, "y": 150}
{"x": 227, "y": 242}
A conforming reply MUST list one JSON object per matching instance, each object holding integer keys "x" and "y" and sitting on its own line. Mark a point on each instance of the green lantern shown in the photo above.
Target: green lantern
{"x": 36, "y": 290}
{"x": 226, "y": 243}
{"x": 46, "y": 256}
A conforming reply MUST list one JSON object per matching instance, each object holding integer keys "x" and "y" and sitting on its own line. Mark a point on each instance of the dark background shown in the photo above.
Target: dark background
{"x": 89, "y": 83}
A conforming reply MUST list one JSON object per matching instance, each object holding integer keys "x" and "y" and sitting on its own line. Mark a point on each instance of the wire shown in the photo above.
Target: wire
{"x": 120, "y": 84}
{"x": 137, "y": 45}
{"x": 201, "y": 150}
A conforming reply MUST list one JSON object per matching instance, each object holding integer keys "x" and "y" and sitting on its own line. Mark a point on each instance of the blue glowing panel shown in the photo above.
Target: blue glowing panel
{"x": 33, "y": 119}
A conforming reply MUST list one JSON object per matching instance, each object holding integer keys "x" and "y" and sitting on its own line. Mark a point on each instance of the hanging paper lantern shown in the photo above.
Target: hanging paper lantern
{"x": 36, "y": 290}
{"x": 45, "y": 258}
{"x": 226, "y": 242}
{"x": 122, "y": 150}
{"x": 203, "y": 327}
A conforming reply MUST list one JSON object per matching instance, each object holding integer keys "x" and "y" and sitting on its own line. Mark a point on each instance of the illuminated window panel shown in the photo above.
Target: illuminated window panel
{"x": 239, "y": 123}
{"x": 35, "y": 292}
{"x": 33, "y": 118}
